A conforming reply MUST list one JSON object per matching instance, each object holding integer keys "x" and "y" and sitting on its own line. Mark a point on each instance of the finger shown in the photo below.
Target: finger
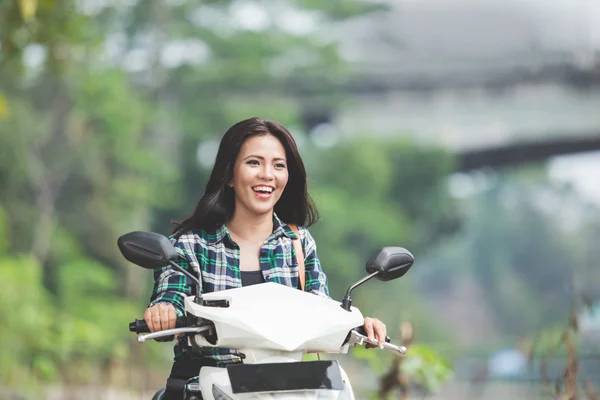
{"x": 369, "y": 328}
{"x": 172, "y": 316}
{"x": 155, "y": 316}
{"x": 163, "y": 311}
{"x": 148, "y": 319}
{"x": 380, "y": 332}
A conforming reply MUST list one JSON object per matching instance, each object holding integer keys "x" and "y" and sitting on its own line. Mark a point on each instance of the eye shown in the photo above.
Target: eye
{"x": 252, "y": 162}
{"x": 280, "y": 166}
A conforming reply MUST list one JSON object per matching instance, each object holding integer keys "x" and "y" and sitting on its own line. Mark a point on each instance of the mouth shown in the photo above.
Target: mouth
{"x": 263, "y": 191}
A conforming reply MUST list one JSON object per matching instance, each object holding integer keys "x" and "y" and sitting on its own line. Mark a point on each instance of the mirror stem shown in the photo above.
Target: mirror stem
{"x": 192, "y": 277}
{"x": 347, "y": 301}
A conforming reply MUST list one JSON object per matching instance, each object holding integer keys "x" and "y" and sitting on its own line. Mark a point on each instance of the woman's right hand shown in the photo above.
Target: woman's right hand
{"x": 160, "y": 317}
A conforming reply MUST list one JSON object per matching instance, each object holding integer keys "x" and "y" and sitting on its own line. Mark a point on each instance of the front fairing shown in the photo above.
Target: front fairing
{"x": 275, "y": 317}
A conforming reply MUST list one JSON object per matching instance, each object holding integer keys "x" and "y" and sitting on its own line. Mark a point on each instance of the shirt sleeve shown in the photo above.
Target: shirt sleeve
{"x": 316, "y": 280}
{"x": 172, "y": 286}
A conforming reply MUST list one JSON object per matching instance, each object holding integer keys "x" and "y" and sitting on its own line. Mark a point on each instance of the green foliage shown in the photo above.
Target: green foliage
{"x": 427, "y": 368}
{"x": 44, "y": 334}
{"x": 86, "y": 302}
{"x": 378, "y": 360}
{"x": 27, "y": 314}
{"x": 421, "y": 365}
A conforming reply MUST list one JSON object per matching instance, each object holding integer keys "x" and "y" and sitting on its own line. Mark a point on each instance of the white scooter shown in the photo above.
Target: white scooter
{"x": 271, "y": 325}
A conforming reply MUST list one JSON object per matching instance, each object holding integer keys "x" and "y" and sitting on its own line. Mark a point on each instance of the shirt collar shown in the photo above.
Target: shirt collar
{"x": 280, "y": 228}
{"x": 219, "y": 235}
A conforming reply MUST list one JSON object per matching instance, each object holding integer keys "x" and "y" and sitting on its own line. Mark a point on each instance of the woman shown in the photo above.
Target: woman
{"x": 239, "y": 235}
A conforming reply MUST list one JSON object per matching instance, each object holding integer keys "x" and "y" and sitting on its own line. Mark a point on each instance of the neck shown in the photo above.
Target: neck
{"x": 250, "y": 227}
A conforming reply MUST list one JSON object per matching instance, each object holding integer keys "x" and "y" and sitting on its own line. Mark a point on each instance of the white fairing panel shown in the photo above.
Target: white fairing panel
{"x": 271, "y": 316}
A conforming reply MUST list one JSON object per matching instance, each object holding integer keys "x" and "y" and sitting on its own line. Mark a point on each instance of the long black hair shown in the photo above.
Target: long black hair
{"x": 216, "y": 206}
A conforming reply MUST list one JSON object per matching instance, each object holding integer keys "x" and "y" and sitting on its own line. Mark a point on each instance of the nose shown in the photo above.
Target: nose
{"x": 266, "y": 173}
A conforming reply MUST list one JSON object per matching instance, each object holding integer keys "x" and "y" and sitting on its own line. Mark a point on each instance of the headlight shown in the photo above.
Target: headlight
{"x": 218, "y": 394}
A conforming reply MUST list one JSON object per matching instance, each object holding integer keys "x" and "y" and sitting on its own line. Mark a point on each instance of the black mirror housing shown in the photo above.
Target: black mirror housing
{"x": 390, "y": 263}
{"x": 147, "y": 249}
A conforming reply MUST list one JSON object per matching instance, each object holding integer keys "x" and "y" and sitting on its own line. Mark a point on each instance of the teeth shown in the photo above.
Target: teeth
{"x": 263, "y": 189}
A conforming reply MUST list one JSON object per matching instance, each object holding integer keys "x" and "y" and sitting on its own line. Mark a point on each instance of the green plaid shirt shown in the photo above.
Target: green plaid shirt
{"x": 215, "y": 258}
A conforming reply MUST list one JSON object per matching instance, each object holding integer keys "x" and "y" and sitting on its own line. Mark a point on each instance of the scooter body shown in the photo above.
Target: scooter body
{"x": 273, "y": 325}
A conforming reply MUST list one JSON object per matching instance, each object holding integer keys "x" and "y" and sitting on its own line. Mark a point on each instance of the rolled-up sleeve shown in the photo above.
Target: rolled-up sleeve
{"x": 172, "y": 286}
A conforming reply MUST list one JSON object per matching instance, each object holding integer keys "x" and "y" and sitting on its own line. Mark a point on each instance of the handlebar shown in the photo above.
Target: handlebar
{"x": 357, "y": 336}
{"x": 181, "y": 326}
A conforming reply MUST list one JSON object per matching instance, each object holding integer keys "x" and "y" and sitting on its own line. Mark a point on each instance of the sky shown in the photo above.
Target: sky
{"x": 582, "y": 170}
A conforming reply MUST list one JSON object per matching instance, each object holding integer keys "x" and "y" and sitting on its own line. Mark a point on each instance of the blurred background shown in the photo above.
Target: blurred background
{"x": 467, "y": 131}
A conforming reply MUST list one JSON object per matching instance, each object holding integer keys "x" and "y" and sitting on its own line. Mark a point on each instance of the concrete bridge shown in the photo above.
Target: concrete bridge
{"x": 521, "y": 153}
{"x": 499, "y": 82}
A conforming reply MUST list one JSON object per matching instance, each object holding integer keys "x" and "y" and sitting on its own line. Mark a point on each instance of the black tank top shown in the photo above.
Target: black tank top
{"x": 252, "y": 277}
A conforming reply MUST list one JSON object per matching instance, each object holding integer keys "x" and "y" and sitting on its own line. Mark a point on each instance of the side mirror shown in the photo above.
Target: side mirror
{"x": 147, "y": 249}
{"x": 390, "y": 263}
{"x": 386, "y": 264}
{"x": 153, "y": 250}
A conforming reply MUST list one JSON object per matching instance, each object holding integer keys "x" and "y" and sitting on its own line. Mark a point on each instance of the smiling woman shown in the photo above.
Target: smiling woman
{"x": 241, "y": 233}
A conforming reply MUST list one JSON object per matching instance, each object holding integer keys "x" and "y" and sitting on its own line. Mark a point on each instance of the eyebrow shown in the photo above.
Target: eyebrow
{"x": 262, "y": 158}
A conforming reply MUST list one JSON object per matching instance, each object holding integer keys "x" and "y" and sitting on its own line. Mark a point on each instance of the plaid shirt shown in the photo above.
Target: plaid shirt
{"x": 215, "y": 258}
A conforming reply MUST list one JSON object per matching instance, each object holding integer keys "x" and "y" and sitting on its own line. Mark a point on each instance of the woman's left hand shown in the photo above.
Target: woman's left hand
{"x": 375, "y": 329}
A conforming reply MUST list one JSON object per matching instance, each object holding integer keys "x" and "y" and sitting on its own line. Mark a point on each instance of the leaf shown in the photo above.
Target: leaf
{"x": 28, "y": 8}
{"x": 4, "y": 237}
{"x": 372, "y": 356}
{"x": 4, "y": 110}
{"x": 45, "y": 367}
{"x": 423, "y": 365}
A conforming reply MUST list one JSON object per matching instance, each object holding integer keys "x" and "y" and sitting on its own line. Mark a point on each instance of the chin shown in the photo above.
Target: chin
{"x": 263, "y": 209}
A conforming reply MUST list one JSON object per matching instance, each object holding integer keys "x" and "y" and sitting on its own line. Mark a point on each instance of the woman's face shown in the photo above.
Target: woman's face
{"x": 260, "y": 174}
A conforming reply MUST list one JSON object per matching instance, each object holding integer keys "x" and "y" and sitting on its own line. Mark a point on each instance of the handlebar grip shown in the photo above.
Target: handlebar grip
{"x": 140, "y": 326}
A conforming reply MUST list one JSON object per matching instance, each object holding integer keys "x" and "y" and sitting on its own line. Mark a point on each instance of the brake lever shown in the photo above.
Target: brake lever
{"x": 358, "y": 339}
{"x": 169, "y": 332}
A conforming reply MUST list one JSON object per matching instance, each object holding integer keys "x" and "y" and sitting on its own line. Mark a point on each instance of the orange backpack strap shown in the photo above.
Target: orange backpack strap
{"x": 299, "y": 256}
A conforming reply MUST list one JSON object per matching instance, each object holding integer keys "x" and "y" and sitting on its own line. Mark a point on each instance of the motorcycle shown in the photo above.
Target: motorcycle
{"x": 272, "y": 348}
